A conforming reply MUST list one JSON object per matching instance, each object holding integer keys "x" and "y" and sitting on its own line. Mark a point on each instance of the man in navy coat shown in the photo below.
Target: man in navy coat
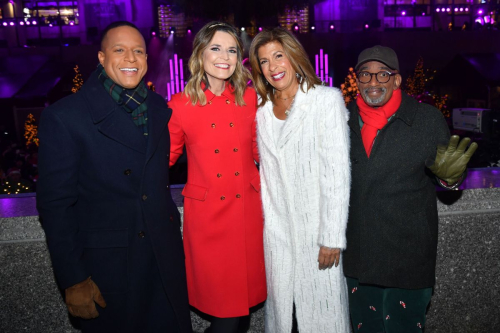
{"x": 104, "y": 200}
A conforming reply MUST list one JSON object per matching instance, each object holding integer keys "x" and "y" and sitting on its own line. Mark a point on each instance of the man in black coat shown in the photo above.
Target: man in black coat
{"x": 393, "y": 221}
{"x": 104, "y": 197}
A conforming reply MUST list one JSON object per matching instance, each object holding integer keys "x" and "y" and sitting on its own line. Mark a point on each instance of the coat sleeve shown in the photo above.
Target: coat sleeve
{"x": 176, "y": 133}
{"x": 57, "y": 193}
{"x": 334, "y": 171}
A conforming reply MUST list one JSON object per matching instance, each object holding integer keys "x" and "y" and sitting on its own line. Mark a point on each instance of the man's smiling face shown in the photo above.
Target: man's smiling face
{"x": 123, "y": 56}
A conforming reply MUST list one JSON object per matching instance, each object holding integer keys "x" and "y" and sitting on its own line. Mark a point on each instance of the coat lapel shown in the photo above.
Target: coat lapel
{"x": 158, "y": 117}
{"x": 265, "y": 127}
{"x": 294, "y": 120}
{"x": 353, "y": 121}
{"x": 111, "y": 120}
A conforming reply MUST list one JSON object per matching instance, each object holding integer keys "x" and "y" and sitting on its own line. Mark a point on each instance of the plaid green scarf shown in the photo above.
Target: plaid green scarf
{"x": 132, "y": 100}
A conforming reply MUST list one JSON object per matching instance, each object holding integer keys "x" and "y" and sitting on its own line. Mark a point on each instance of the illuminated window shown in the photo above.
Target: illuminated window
{"x": 52, "y": 12}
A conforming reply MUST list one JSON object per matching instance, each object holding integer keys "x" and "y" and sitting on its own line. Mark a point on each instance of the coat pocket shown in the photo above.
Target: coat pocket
{"x": 105, "y": 256}
{"x": 195, "y": 192}
{"x": 255, "y": 182}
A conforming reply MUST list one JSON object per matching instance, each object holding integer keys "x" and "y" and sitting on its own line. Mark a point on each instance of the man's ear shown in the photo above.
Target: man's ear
{"x": 397, "y": 81}
{"x": 101, "y": 56}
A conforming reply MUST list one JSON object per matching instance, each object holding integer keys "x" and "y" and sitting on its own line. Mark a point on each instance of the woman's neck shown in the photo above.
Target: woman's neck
{"x": 217, "y": 87}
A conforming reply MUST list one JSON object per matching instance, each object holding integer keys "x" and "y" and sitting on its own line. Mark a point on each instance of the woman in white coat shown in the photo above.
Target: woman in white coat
{"x": 303, "y": 143}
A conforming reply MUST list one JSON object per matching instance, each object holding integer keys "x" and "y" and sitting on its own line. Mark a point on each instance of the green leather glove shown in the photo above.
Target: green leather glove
{"x": 451, "y": 161}
{"x": 80, "y": 299}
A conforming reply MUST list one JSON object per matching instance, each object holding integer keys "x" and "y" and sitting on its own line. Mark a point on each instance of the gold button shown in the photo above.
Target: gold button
{"x": 219, "y": 175}
{"x": 213, "y": 125}
{"x": 231, "y": 124}
{"x": 209, "y": 102}
{"x": 216, "y": 151}
{"x": 235, "y": 150}
{"x": 227, "y": 101}
{"x": 144, "y": 197}
{"x": 236, "y": 173}
{"x": 223, "y": 198}
{"x": 238, "y": 196}
{"x": 141, "y": 234}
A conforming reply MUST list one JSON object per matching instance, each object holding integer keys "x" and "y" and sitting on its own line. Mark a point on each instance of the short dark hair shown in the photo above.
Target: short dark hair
{"x": 117, "y": 24}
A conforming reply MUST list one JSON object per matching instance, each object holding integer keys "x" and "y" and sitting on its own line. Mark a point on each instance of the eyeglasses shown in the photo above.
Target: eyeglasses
{"x": 382, "y": 77}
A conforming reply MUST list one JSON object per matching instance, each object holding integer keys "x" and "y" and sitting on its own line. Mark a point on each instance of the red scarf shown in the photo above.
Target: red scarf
{"x": 375, "y": 119}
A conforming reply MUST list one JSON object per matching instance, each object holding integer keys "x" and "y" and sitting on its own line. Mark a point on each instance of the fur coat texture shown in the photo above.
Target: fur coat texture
{"x": 305, "y": 183}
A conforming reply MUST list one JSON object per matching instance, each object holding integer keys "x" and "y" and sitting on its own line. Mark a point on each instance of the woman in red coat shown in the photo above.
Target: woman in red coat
{"x": 215, "y": 119}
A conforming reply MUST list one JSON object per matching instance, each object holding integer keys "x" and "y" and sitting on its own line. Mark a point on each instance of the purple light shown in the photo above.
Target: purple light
{"x": 34, "y": 22}
{"x": 480, "y": 11}
{"x": 443, "y": 9}
{"x": 5, "y": 24}
{"x": 28, "y": 23}
{"x": 71, "y": 23}
{"x": 456, "y": 9}
{"x": 466, "y": 9}
{"x": 189, "y": 31}
{"x": 366, "y": 26}
{"x": 153, "y": 33}
{"x": 21, "y": 23}
{"x": 313, "y": 27}
{"x": 12, "y": 24}
{"x": 296, "y": 27}
{"x": 332, "y": 27}
{"x": 448, "y": 9}
{"x": 437, "y": 10}
{"x": 403, "y": 13}
{"x": 260, "y": 28}
{"x": 423, "y": 14}
{"x": 461, "y": 9}
{"x": 50, "y": 25}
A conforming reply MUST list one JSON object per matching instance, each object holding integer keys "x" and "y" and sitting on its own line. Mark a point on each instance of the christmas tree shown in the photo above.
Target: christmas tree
{"x": 30, "y": 131}
{"x": 416, "y": 87}
{"x": 77, "y": 80}
{"x": 415, "y": 83}
{"x": 350, "y": 88}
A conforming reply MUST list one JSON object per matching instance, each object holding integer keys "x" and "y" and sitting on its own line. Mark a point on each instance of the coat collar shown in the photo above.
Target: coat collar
{"x": 299, "y": 110}
{"x": 227, "y": 93}
{"x": 115, "y": 123}
{"x": 297, "y": 113}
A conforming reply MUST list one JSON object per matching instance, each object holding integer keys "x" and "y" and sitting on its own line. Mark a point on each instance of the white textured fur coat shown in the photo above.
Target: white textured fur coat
{"x": 305, "y": 179}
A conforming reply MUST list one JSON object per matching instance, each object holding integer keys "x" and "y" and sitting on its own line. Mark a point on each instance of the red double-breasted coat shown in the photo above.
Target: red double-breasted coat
{"x": 223, "y": 221}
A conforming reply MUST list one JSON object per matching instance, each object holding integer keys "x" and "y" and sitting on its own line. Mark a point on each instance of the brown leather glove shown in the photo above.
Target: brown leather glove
{"x": 80, "y": 299}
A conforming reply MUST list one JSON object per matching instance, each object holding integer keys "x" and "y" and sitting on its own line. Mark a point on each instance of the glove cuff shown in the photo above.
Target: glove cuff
{"x": 454, "y": 186}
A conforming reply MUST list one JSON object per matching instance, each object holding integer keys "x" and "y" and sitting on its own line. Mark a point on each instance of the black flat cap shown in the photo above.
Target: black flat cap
{"x": 383, "y": 54}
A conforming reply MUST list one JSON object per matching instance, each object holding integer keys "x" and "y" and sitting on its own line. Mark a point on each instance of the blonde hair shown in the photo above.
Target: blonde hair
{"x": 295, "y": 53}
{"x": 239, "y": 78}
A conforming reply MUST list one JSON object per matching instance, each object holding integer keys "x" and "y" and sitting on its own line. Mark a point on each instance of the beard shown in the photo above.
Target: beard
{"x": 370, "y": 101}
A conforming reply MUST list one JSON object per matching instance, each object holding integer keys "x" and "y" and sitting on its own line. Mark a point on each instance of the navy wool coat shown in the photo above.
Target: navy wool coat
{"x": 393, "y": 220}
{"x": 105, "y": 205}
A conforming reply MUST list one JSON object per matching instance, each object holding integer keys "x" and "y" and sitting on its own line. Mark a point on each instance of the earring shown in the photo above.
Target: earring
{"x": 299, "y": 77}
{"x": 267, "y": 83}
